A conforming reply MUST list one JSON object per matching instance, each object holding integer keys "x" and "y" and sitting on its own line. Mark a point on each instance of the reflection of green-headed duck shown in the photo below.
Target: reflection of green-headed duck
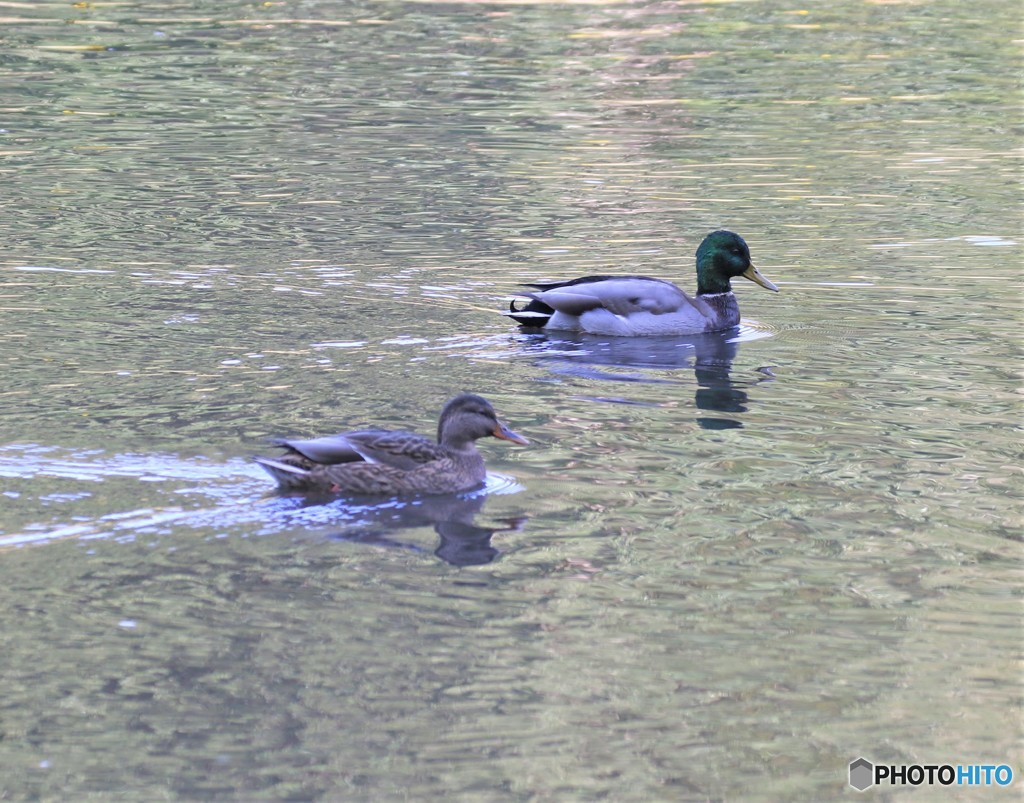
{"x": 640, "y": 305}
{"x": 393, "y": 462}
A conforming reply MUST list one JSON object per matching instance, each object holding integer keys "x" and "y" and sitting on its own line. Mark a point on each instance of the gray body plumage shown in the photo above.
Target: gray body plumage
{"x": 642, "y": 305}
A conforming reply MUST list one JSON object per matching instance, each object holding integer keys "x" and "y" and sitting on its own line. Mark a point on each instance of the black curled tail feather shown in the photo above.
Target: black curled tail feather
{"x": 535, "y": 314}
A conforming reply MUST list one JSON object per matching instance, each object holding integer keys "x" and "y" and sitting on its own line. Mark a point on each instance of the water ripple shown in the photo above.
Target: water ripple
{"x": 236, "y": 508}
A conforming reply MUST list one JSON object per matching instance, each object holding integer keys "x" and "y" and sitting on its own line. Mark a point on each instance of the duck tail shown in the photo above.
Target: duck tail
{"x": 536, "y": 314}
{"x": 289, "y": 478}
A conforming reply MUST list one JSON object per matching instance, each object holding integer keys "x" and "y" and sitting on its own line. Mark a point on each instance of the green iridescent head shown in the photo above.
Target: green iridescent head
{"x": 722, "y": 255}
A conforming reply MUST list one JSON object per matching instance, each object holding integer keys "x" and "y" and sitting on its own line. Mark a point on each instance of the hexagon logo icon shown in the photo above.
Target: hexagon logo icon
{"x": 862, "y": 774}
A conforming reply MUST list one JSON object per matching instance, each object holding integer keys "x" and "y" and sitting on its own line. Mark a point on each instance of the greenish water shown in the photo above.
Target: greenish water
{"x": 724, "y": 568}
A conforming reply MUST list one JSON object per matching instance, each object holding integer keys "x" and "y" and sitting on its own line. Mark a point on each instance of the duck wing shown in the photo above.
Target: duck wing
{"x": 397, "y": 449}
{"x": 620, "y": 295}
{"x": 583, "y": 280}
{"x": 326, "y": 451}
{"x": 443, "y": 476}
{"x": 401, "y": 450}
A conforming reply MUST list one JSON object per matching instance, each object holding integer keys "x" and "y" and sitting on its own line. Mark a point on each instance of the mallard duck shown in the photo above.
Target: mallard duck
{"x": 641, "y": 305}
{"x": 377, "y": 461}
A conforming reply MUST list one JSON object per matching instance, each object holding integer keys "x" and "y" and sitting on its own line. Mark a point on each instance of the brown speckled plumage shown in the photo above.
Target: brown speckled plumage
{"x": 393, "y": 462}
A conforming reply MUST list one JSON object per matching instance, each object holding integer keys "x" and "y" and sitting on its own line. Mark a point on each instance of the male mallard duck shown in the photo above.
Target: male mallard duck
{"x": 377, "y": 461}
{"x": 640, "y": 305}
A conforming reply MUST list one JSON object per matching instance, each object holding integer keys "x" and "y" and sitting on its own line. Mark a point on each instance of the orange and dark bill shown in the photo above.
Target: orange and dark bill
{"x": 503, "y": 432}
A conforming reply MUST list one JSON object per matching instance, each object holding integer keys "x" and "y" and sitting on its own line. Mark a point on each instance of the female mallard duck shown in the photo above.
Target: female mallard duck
{"x": 377, "y": 461}
{"x": 640, "y": 305}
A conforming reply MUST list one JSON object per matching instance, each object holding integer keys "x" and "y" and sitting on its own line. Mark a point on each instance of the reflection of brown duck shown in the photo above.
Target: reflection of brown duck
{"x": 463, "y": 542}
{"x": 394, "y": 462}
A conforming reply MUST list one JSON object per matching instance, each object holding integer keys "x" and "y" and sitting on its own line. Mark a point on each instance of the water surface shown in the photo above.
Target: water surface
{"x": 725, "y": 567}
